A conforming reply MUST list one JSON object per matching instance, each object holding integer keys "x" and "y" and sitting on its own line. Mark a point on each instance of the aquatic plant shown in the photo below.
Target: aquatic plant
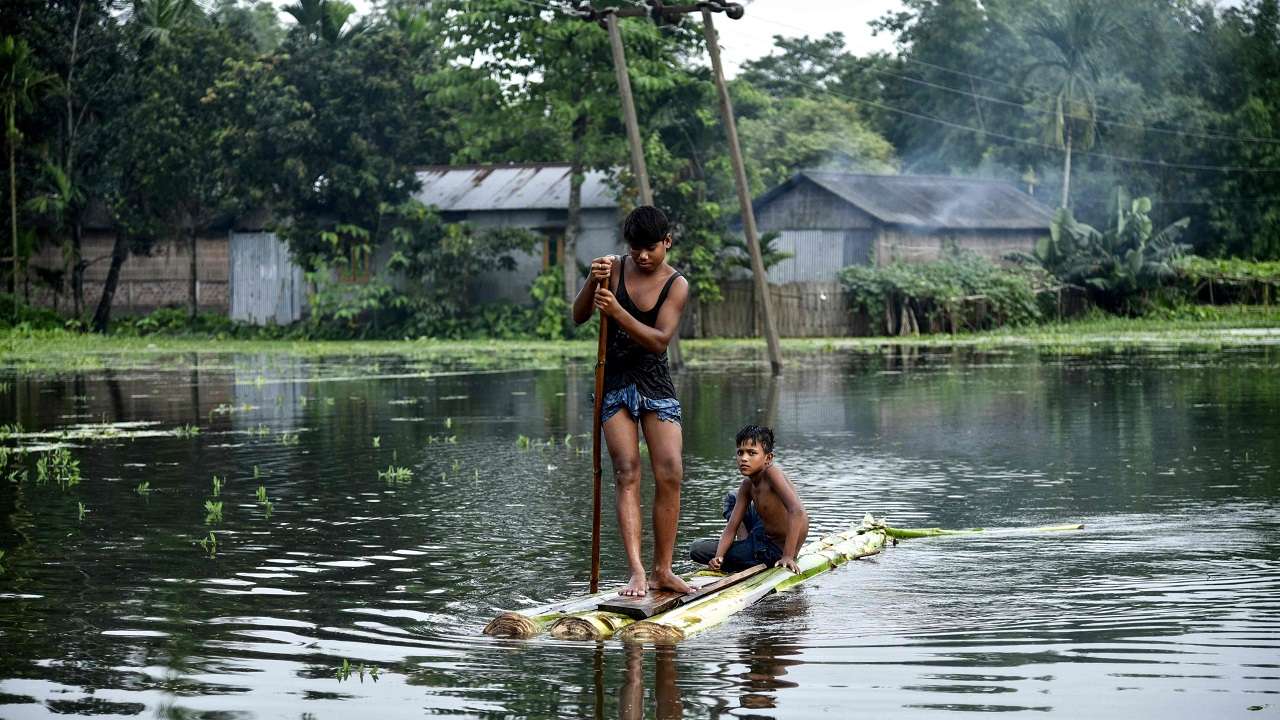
{"x": 143, "y": 488}
{"x": 287, "y": 438}
{"x": 256, "y": 472}
{"x": 395, "y": 474}
{"x": 448, "y": 422}
{"x": 8, "y": 430}
{"x": 217, "y": 486}
{"x": 261, "y": 431}
{"x": 212, "y": 512}
{"x": 343, "y": 671}
{"x": 568, "y": 439}
{"x": 186, "y": 431}
{"x": 452, "y": 439}
{"x": 80, "y": 510}
{"x": 377, "y": 441}
{"x": 58, "y": 465}
{"x": 456, "y": 464}
{"x": 523, "y": 442}
{"x": 266, "y": 504}
{"x": 209, "y": 544}
{"x": 1, "y": 562}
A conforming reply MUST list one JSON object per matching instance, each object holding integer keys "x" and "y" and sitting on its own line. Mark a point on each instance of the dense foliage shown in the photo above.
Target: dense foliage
{"x": 1120, "y": 265}
{"x": 174, "y": 117}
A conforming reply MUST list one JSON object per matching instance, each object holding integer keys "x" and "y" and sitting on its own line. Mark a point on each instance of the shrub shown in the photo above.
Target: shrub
{"x": 961, "y": 292}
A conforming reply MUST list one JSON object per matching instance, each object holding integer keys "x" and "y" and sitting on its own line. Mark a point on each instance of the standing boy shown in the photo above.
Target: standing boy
{"x": 766, "y": 520}
{"x": 638, "y": 388}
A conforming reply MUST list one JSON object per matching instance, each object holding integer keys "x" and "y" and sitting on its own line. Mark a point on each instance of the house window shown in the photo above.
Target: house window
{"x": 552, "y": 248}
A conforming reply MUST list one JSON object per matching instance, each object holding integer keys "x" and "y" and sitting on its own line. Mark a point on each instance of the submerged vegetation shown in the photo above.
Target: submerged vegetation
{"x": 395, "y": 474}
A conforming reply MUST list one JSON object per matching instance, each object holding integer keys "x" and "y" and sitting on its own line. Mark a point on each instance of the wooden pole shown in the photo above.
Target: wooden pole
{"x": 629, "y": 110}
{"x": 596, "y": 471}
{"x": 744, "y": 197}
{"x": 638, "y": 167}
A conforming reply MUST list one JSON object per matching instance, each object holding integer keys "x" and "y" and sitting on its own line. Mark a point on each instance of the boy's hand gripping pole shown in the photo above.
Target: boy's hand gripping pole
{"x": 596, "y": 431}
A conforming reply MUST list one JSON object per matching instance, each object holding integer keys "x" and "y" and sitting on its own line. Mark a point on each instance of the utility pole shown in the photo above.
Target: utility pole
{"x": 763, "y": 300}
{"x": 672, "y": 14}
{"x": 638, "y": 167}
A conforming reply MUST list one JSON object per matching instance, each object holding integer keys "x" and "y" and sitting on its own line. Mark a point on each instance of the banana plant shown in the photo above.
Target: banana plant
{"x": 1117, "y": 264}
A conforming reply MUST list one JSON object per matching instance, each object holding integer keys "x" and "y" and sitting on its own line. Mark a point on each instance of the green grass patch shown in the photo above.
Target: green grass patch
{"x": 64, "y": 351}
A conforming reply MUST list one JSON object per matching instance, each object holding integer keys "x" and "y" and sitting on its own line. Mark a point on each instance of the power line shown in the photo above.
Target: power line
{"x": 1002, "y": 136}
{"x": 1100, "y": 121}
{"x": 1033, "y": 143}
{"x": 1037, "y": 91}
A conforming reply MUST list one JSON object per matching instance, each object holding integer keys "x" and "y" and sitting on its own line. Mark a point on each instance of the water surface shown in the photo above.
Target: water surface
{"x": 1168, "y": 604}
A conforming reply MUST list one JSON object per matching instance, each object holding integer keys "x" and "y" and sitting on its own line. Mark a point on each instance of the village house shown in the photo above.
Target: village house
{"x": 829, "y": 220}
{"x": 245, "y": 271}
{"x": 533, "y": 196}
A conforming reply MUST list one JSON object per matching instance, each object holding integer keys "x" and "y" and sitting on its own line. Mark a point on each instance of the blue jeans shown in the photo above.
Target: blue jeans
{"x": 668, "y": 409}
{"x": 754, "y": 549}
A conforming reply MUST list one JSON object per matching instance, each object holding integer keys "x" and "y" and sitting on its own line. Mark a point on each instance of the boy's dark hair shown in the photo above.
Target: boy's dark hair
{"x": 645, "y": 226}
{"x": 757, "y": 434}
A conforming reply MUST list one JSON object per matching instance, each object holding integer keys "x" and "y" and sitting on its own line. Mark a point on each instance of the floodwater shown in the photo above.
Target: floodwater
{"x": 1166, "y": 605}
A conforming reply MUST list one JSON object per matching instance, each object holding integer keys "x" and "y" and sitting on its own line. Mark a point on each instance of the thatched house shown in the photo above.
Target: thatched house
{"x": 829, "y": 220}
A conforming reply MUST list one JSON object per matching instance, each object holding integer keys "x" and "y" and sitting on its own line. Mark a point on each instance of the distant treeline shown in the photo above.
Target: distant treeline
{"x": 173, "y": 116}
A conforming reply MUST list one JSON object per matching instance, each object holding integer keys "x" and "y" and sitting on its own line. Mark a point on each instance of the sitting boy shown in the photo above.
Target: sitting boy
{"x": 766, "y": 520}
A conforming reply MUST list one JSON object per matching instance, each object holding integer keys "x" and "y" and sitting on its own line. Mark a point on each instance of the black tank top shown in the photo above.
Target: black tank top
{"x": 626, "y": 361}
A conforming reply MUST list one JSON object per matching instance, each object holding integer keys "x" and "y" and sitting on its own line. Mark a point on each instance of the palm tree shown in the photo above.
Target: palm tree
{"x": 1076, "y": 36}
{"x": 323, "y": 19}
{"x": 20, "y": 82}
{"x": 158, "y": 19}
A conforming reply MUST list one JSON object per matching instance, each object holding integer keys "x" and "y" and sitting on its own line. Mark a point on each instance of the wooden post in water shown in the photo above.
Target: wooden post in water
{"x": 764, "y": 302}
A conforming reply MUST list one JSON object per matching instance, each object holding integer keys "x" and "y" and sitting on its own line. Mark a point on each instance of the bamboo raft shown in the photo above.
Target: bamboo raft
{"x": 716, "y": 596}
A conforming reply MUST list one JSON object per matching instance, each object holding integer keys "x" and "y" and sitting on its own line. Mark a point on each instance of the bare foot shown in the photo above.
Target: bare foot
{"x": 667, "y": 580}
{"x": 636, "y": 588}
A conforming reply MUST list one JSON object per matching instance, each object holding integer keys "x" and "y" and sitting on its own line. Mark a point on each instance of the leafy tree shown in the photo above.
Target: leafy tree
{"x": 257, "y": 23}
{"x": 184, "y": 176}
{"x": 795, "y": 133}
{"x": 327, "y": 136}
{"x": 81, "y": 42}
{"x": 20, "y": 81}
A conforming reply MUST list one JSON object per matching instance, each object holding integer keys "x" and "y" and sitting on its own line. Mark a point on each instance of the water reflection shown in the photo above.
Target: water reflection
{"x": 665, "y": 693}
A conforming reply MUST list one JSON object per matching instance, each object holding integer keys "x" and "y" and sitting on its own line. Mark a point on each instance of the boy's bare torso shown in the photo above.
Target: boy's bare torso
{"x": 769, "y": 506}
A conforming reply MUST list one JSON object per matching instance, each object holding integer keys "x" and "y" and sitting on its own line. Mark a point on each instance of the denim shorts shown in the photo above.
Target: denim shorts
{"x": 668, "y": 409}
{"x": 755, "y": 548}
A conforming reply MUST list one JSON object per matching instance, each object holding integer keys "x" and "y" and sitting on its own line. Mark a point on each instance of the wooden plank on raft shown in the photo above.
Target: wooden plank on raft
{"x": 661, "y": 601}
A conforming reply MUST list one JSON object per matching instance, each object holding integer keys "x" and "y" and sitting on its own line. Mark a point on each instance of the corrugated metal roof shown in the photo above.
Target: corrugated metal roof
{"x": 931, "y": 201}
{"x": 510, "y": 187}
